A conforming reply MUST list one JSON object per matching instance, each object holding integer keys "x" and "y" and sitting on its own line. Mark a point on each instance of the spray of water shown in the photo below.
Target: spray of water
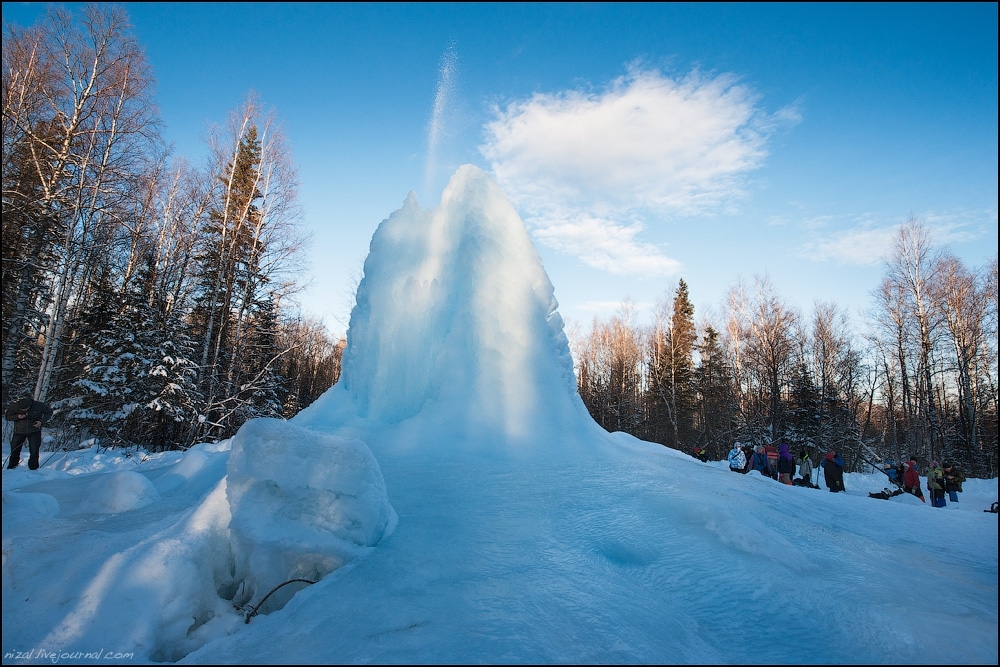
{"x": 442, "y": 101}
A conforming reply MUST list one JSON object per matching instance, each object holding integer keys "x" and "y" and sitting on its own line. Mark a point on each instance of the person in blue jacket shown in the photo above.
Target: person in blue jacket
{"x": 759, "y": 462}
{"x": 833, "y": 472}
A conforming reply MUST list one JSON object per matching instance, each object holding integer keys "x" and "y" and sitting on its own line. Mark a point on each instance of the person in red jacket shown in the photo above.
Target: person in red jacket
{"x": 911, "y": 479}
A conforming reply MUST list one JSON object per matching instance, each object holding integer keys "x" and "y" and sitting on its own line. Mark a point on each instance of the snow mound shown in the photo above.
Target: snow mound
{"x": 120, "y": 492}
{"x": 456, "y": 320}
{"x": 21, "y": 508}
{"x": 198, "y": 461}
{"x": 303, "y": 504}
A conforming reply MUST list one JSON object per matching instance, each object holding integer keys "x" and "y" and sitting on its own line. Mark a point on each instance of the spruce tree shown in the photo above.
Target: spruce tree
{"x": 803, "y": 425}
{"x": 716, "y": 401}
{"x": 672, "y": 371}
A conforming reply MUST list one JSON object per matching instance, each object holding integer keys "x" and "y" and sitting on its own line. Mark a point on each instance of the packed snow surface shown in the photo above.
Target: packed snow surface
{"x": 457, "y": 504}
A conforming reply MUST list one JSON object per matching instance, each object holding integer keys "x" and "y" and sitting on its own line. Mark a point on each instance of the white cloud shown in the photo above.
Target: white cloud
{"x": 606, "y": 245}
{"x": 860, "y": 246}
{"x": 576, "y": 163}
{"x": 961, "y": 226}
{"x": 870, "y": 240}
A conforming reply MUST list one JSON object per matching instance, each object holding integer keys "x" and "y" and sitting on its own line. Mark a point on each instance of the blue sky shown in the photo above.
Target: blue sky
{"x": 640, "y": 142}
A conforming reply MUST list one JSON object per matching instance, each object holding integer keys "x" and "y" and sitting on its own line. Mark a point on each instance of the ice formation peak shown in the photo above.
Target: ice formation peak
{"x": 455, "y": 315}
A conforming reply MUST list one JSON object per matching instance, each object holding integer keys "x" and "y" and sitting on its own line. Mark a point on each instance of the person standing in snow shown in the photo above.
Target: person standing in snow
{"x": 911, "y": 479}
{"x": 786, "y": 464}
{"x": 748, "y": 454}
{"x": 701, "y": 453}
{"x": 28, "y": 416}
{"x": 759, "y": 461}
{"x": 805, "y": 468}
{"x": 953, "y": 478}
{"x": 935, "y": 485}
{"x": 833, "y": 472}
{"x": 737, "y": 459}
{"x": 772, "y": 461}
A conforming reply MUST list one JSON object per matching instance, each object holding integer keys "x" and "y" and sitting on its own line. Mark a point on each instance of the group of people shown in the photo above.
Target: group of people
{"x": 942, "y": 478}
{"x": 778, "y": 463}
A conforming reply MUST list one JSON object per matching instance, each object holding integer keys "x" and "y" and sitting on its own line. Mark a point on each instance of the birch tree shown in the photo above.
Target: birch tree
{"x": 78, "y": 107}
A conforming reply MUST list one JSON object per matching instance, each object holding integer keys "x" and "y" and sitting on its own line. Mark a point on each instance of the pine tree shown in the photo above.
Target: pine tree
{"x": 262, "y": 383}
{"x": 802, "y": 427}
{"x": 716, "y": 401}
{"x": 672, "y": 372}
{"x": 116, "y": 360}
{"x": 134, "y": 377}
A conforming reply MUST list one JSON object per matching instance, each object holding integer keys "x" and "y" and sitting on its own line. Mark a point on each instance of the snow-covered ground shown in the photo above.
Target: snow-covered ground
{"x": 639, "y": 554}
{"x": 456, "y": 504}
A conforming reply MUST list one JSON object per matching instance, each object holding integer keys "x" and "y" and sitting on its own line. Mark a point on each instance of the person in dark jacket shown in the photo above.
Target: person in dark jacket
{"x": 29, "y": 416}
{"x": 953, "y": 478}
{"x": 833, "y": 472}
{"x": 748, "y": 454}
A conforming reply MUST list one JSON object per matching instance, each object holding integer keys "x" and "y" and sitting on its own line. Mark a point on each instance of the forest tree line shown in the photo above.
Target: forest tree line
{"x": 147, "y": 300}
{"x": 916, "y": 378}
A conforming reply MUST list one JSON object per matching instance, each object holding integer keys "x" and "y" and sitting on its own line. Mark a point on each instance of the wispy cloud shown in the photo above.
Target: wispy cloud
{"x": 867, "y": 240}
{"x": 585, "y": 166}
{"x": 961, "y": 227}
{"x": 859, "y": 246}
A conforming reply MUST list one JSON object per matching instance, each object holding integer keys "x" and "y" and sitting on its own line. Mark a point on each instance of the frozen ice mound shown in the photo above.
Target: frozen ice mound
{"x": 456, "y": 322}
{"x": 303, "y": 504}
